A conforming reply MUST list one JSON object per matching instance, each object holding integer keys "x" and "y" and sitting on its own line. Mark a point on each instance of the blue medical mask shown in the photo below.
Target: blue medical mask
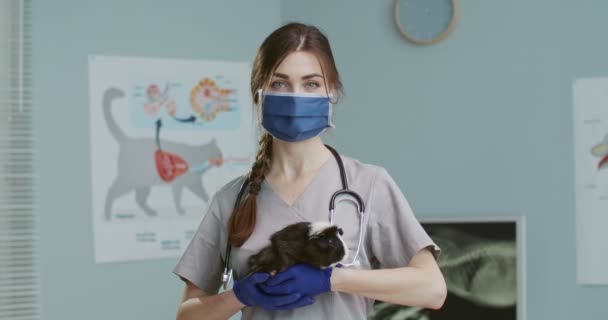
{"x": 295, "y": 117}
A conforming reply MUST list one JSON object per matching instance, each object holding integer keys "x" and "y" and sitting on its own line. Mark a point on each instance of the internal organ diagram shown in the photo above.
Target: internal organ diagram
{"x": 600, "y": 150}
{"x": 145, "y": 162}
{"x": 155, "y": 100}
{"x": 208, "y": 100}
{"x": 170, "y": 166}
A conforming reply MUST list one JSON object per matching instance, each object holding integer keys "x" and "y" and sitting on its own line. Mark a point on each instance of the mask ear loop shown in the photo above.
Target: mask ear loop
{"x": 330, "y": 96}
{"x": 260, "y": 105}
{"x": 330, "y": 121}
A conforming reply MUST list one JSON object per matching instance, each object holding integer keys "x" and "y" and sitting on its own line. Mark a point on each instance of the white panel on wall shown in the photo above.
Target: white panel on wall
{"x": 591, "y": 163}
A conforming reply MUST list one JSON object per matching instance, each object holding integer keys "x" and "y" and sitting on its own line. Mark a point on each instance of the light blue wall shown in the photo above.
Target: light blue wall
{"x": 479, "y": 124}
{"x": 64, "y": 33}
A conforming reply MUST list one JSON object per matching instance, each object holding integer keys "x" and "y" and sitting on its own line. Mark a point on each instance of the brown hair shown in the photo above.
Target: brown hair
{"x": 280, "y": 43}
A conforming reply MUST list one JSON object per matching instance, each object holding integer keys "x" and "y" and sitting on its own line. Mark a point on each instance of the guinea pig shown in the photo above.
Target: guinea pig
{"x": 316, "y": 243}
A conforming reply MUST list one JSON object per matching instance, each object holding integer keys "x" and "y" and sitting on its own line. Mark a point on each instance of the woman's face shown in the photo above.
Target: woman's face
{"x": 299, "y": 72}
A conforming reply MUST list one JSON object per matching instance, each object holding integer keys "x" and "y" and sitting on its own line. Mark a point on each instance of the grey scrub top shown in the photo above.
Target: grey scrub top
{"x": 392, "y": 234}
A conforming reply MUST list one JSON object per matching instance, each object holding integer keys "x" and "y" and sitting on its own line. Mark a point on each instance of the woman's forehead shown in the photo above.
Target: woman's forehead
{"x": 299, "y": 64}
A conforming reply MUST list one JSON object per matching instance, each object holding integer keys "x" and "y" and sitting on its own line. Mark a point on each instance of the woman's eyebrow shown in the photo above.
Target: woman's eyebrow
{"x": 280, "y": 75}
{"x": 306, "y": 77}
{"x": 310, "y": 76}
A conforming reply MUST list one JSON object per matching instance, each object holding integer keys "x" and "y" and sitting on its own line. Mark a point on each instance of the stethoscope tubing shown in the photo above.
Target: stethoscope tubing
{"x": 227, "y": 274}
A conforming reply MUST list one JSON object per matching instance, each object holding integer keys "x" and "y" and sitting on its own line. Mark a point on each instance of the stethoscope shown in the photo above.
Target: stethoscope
{"x": 354, "y": 197}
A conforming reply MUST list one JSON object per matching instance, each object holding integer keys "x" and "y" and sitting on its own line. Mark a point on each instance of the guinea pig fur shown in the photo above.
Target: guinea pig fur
{"x": 318, "y": 244}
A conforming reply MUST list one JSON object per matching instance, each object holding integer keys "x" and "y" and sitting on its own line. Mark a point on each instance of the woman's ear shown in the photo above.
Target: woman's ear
{"x": 333, "y": 96}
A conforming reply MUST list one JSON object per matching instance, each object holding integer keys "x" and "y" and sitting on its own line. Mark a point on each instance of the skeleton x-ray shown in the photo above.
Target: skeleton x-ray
{"x": 479, "y": 263}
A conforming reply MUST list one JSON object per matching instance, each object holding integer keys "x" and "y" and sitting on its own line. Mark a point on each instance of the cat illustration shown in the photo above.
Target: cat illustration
{"x": 136, "y": 170}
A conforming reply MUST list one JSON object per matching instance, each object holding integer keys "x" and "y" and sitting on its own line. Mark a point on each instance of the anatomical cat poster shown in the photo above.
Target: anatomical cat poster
{"x": 165, "y": 135}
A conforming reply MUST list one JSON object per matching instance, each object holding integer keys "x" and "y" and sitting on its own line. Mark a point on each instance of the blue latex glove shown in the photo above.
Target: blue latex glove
{"x": 249, "y": 294}
{"x": 301, "y": 279}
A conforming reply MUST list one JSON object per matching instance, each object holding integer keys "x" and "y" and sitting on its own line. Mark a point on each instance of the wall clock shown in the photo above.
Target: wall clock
{"x": 426, "y": 21}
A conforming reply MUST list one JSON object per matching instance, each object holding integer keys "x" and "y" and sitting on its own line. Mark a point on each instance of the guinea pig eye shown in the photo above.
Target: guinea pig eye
{"x": 340, "y": 232}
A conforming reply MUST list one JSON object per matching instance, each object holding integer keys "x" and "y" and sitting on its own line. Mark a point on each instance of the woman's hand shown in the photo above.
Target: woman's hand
{"x": 247, "y": 291}
{"x": 302, "y": 279}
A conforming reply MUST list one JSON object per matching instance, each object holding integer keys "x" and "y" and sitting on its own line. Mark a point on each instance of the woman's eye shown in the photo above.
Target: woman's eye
{"x": 312, "y": 85}
{"x": 279, "y": 85}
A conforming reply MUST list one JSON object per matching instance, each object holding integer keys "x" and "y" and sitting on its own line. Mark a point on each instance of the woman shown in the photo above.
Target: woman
{"x": 292, "y": 180}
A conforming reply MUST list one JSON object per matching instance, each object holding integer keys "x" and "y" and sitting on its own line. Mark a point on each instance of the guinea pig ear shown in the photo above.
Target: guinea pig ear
{"x": 315, "y": 236}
